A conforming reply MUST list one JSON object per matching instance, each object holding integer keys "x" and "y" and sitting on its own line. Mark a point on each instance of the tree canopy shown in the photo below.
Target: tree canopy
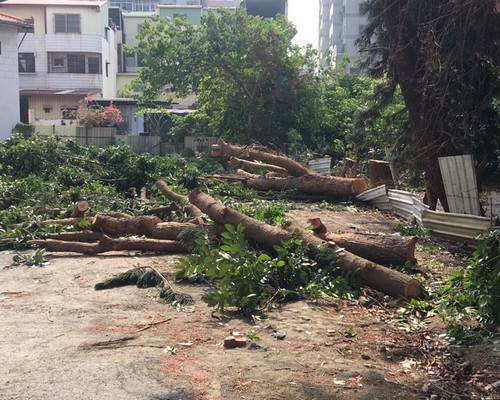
{"x": 251, "y": 83}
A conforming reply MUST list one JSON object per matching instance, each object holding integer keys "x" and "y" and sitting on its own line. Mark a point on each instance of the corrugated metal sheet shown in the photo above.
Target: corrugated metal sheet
{"x": 402, "y": 203}
{"x": 377, "y": 197}
{"x": 494, "y": 204}
{"x": 144, "y": 144}
{"x": 321, "y": 165}
{"x": 455, "y": 226}
{"x": 459, "y": 178}
{"x": 418, "y": 208}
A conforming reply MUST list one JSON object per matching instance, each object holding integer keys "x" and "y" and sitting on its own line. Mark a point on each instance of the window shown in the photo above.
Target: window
{"x": 94, "y": 64}
{"x": 26, "y": 62}
{"x": 67, "y": 23}
{"x": 75, "y": 63}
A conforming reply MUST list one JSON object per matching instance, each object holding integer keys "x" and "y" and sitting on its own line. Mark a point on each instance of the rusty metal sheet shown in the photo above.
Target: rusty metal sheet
{"x": 455, "y": 226}
{"x": 459, "y": 178}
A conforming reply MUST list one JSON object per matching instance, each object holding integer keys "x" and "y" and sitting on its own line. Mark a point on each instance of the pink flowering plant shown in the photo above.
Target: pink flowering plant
{"x": 90, "y": 114}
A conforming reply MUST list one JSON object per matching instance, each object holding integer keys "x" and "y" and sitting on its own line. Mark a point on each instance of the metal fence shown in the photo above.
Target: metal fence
{"x": 406, "y": 205}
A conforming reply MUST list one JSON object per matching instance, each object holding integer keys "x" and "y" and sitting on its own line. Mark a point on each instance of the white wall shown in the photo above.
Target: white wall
{"x": 9, "y": 81}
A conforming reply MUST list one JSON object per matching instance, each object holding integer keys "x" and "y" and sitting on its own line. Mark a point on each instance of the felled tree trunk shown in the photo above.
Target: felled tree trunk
{"x": 142, "y": 225}
{"x": 235, "y": 162}
{"x": 170, "y": 230}
{"x": 329, "y": 186}
{"x": 193, "y": 211}
{"x": 382, "y": 249}
{"x": 376, "y": 276}
{"x": 80, "y": 236}
{"x": 106, "y": 244}
{"x": 222, "y": 148}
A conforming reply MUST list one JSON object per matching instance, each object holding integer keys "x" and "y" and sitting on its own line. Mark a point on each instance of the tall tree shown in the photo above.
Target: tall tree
{"x": 445, "y": 57}
{"x": 251, "y": 82}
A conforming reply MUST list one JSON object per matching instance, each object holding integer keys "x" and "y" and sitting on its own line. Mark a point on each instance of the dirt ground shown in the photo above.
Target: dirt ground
{"x": 60, "y": 339}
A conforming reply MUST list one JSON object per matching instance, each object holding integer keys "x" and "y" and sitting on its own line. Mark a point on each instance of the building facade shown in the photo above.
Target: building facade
{"x": 340, "y": 24}
{"x": 9, "y": 75}
{"x": 71, "y": 53}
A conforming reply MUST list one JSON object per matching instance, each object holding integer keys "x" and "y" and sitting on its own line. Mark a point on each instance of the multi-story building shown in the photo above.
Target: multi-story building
{"x": 71, "y": 53}
{"x": 9, "y": 75}
{"x": 266, "y": 8}
{"x": 340, "y": 24}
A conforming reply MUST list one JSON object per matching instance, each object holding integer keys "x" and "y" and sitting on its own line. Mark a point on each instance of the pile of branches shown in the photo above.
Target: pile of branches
{"x": 364, "y": 254}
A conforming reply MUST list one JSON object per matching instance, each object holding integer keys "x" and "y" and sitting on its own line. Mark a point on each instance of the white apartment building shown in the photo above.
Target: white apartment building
{"x": 9, "y": 75}
{"x": 71, "y": 53}
{"x": 340, "y": 24}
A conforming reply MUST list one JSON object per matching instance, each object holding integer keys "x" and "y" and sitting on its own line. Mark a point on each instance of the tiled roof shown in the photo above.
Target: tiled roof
{"x": 11, "y": 20}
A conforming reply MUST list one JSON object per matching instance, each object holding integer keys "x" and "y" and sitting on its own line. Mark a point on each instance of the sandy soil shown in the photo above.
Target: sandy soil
{"x": 61, "y": 339}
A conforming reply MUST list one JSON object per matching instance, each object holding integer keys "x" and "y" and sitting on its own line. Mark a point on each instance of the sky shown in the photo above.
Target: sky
{"x": 304, "y": 15}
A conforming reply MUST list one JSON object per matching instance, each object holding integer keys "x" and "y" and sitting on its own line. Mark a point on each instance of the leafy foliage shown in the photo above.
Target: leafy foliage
{"x": 253, "y": 281}
{"x": 252, "y": 83}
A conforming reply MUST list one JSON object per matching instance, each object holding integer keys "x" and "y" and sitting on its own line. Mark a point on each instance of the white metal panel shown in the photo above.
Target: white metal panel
{"x": 402, "y": 203}
{"x": 418, "y": 208}
{"x": 494, "y": 204}
{"x": 455, "y": 226}
{"x": 321, "y": 165}
{"x": 76, "y": 81}
{"x": 377, "y": 197}
{"x": 459, "y": 178}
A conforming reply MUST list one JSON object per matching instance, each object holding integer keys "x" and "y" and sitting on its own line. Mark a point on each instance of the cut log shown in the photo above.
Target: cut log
{"x": 172, "y": 208}
{"x": 380, "y": 174}
{"x": 252, "y": 154}
{"x": 81, "y": 208}
{"x": 382, "y": 249}
{"x": 80, "y": 236}
{"x": 170, "y": 230}
{"x": 235, "y": 162}
{"x": 191, "y": 210}
{"x": 328, "y": 186}
{"x": 142, "y": 225}
{"x": 106, "y": 244}
{"x": 386, "y": 280}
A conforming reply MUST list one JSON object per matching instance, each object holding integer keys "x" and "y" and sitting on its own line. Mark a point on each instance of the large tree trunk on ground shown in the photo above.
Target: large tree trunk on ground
{"x": 382, "y": 249}
{"x": 193, "y": 211}
{"x": 250, "y": 153}
{"x": 235, "y": 162}
{"x": 329, "y": 186}
{"x": 80, "y": 236}
{"x": 376, "y": 276}
{"x": 142, "y": 225}
{"x": 106, "y": 244}
{"x": 380, "y": 174}
{"x": 170, "y": 230}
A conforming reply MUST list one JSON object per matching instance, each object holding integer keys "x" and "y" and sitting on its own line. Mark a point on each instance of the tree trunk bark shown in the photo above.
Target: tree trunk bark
{"x": 106, "y": 244}
{"x": 62, "y": 221}
{"x": 249, "y": 153}
{"x": 350, "y": 168}
{"x": 142, "y": 225}
{"x": 170, "y": 230}
{"x": 193, "y": 211}
{"x": 376, "y": 276}
{"x": 329, "y": 186}
{"x": 235, "y": 162}
{"x": 382, "y": 249}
